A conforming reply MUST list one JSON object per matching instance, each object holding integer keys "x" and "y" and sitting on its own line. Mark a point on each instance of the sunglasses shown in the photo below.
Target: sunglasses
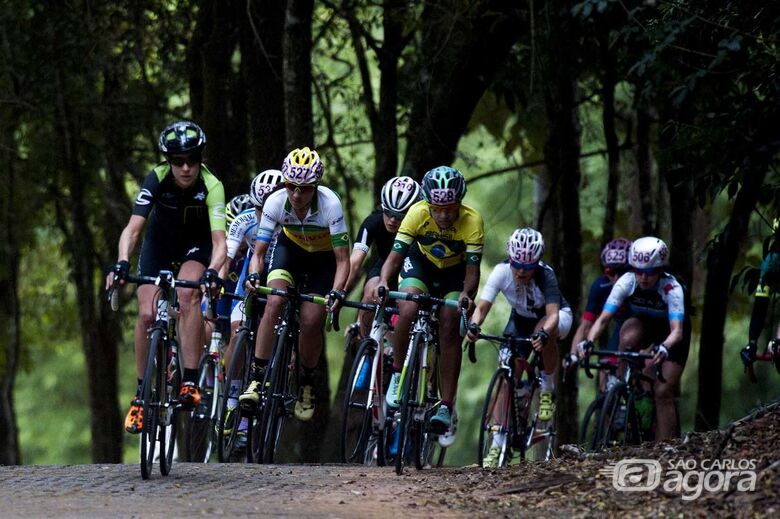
{"x": 647, "y": 272}
{"x": 190, "y": 160}
{"x": 522, "y": 266}
{"x": 305, "y": 189}
{"x": 395, "y": 215}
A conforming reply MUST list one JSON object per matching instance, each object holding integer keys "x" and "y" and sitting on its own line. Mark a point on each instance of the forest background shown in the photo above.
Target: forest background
{"x": 588, "y": 120}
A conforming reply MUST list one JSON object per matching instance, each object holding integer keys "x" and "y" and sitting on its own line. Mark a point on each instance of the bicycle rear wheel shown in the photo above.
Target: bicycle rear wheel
{"x": 588, "y": 436}
{"x": 495, "y": 425}
{"x": 151, "y": 390}
{"x": 200, "y": 437}
{"x": 408, "y": 396}
{"x": 229, "y": 419}
{"x": 356, "y": 418}
{"x": 169, "y": 417}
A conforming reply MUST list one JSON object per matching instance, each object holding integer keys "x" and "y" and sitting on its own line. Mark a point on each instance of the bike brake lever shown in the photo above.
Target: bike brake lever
{"x": 472, "y": 352}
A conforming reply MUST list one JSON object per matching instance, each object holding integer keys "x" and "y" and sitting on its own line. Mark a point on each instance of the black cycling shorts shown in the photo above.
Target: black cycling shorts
{"x": 656, "y": 330}
{"x": 167, "y": 253}
{"x": 312, "y": 272}
{"x": 418, "y": 271}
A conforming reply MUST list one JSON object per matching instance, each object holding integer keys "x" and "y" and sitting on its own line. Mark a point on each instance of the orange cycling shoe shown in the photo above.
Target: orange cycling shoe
{"x": 134, "y": 421}
{"x": 189, "y": 395}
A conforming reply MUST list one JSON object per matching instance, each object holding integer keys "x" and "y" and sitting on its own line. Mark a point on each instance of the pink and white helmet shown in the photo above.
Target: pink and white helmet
{"x": 264, "y": 184}
{"x": 615, "y": 254}
{"x": 526, "y": 245}
{"x": 648, "y": 252}
{"x": 302, "y": 166}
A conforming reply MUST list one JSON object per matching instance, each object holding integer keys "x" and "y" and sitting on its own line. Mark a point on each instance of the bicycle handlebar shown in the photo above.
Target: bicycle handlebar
{"x": 165, "y": 278}
{"x": 423, "y": 299}
{"x": 627, "y": 355}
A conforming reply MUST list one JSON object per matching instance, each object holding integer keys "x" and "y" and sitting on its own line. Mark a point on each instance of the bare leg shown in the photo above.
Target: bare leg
{"x": 451, "y": 353}
{"x": 146, "y": 313}
{"x": 666, "y": 413}
{"x": 191, "y": 333}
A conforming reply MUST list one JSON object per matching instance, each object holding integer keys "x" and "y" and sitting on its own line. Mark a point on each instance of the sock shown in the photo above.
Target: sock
{"x": 257, "y": 370}
{"x": 548, "y": 383}
{"x": 447, "y": 404}
{"x": 190, "y": 375}
{"x": 498, "y": 439}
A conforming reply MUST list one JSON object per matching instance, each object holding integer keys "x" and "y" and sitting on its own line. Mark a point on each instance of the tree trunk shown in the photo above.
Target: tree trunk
{"x": 644, "y": 168}
{"x": 9, "y": 302}
{"x": 720, "y": 265}
{"x": 297, "y": 74}
{"x": 460, "y": 54}
{"x": 262, "y": 30}
{"x": 609, "y": 79}
{"x": 211, "y": 74}
{"x": 562, "y": 152}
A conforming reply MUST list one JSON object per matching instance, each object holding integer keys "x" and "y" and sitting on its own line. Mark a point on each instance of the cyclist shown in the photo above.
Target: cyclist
{"x": 185, "y": 205}
{"x": 657, "y": 304}
{"x": 313, "y": 242}
{"x": 767, "y": 280}
{"x": 614, "y": 262}
{"x": 379, "y": 229}
{"x": 241, "y": 235}
{"x": 440, "y": 245}
{"x": 539, "y": 309}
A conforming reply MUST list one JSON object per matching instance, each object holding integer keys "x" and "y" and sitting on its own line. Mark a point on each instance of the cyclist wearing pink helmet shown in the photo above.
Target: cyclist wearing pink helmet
{"x": 538, "y": 307}
{"x": 312, "y": 245}
{"x": 658, "y": 318}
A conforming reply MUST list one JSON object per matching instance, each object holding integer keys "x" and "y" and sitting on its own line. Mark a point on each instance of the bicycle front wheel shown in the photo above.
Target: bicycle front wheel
{"x": 619, "y": 424}
{"x": 495, "y": 425}
{"x": 169, "y": 418}
{"x": 275, "y": 410}
{"x": 356, "y": 418}
{"x": 200, "y": 437}
{"x": 151, "y": 392}
{"x": 408, "y": 399}
{"x": 588, "y": 437}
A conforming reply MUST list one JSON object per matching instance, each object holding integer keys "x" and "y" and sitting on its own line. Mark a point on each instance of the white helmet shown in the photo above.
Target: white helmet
{"x": 237, "y": 205}
{"x": 264, "y": 184}
{"x": 526, "y": 245}
{"x": 398, "y": 194}
{"x": 648, "y": 253}
{"x": 302, "y": 166}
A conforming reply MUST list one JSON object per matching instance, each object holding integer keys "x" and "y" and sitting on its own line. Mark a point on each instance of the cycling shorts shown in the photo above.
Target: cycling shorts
{"x": 655, "y": 331}
{"x": 419, "y": 272}
{"x": 163, "y": 253}
{"x": 313, "y": 272}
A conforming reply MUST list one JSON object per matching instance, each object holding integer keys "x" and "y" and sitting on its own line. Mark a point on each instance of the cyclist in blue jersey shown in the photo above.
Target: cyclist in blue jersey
{"x": 184, "y": 203}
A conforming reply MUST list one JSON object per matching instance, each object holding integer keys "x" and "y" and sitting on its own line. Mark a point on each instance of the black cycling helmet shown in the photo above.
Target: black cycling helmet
{"x": 443, "y": 186}
{"x": 182, "y": 137}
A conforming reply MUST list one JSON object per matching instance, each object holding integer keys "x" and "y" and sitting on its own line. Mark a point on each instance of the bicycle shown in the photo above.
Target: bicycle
{"x": 620, "y": 422}
{"x": 237, "y": 368}
{"x": 770, "y": 354}
{"x": 510, "y": 413}
{"x": 587, "y": 435}
{"x": 281, "y": 379}
{"x": 364, "y": 418}
{"x": 162, "y": 375}
{"x": 419, "y": 385}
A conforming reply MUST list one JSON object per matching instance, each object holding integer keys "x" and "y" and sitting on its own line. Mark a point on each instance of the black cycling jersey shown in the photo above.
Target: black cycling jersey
{"x": 373, "y": 232}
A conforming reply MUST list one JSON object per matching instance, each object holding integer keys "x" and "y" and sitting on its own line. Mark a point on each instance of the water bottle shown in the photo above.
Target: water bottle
{"x": 363, "y": 375}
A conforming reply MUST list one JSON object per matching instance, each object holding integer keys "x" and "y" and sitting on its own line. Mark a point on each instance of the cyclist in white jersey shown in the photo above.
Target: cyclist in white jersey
{"x": 538, "y": 307}
{"x": 313, "y": 246}
{"x": 658, "y": 318}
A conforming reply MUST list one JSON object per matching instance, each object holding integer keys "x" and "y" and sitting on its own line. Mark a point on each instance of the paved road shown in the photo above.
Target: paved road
{"x": 222, "y": 490}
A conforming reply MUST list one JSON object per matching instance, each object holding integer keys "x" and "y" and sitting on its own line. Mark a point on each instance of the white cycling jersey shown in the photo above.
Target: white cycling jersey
{"x": 322, "y": 229}
{"x": 665, "y": 300}
{"x": 528, "y": 299}
{"x": 243, "y": 229}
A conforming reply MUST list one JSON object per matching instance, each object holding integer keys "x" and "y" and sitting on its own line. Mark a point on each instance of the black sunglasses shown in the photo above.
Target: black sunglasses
{"x": 394, "y": 214}
{"x": 190, "y": 160}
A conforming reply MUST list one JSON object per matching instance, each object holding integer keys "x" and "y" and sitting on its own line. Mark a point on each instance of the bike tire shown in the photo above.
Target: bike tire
{"x": 540, "y": 435}
{"x": 497, "y": 417}
{"x": 275, "y": 411}
{"x": 588, "y": 434}
{"x": 169, "y": 426}
{"x": 150, "y": 389}
{"x": 200, "y": 434}
{"x": 240, "y": 362}
{"x": 357, "y": 413}
{"x": 428, "y": 451}
{"x": 409, "y": 391}
{"x": 611, "y": 431}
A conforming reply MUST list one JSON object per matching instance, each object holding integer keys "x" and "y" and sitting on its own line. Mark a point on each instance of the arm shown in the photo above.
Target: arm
{"x": 127, "y": 242}
{"x": 582, "y": 332}
{"x": 355, "y": 262}
{"x": 479, "y": 316}
{"x": 342, "y": 267}
{"x": 471, "y": 281}
{"x": 600, "y": 325}
{"x": 551, "y": 323}
{"x": 218, "y": 250}
{"x": 390, "y": 268}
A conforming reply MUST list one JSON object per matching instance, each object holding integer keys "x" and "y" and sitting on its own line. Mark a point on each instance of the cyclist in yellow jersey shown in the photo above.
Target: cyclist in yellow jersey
{"x": 314, "y": 244}
{"x": 438, "y": 250}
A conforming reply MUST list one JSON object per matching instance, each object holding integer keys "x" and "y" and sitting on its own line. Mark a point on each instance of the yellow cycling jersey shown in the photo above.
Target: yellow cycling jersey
{"x": 462, "y": 242}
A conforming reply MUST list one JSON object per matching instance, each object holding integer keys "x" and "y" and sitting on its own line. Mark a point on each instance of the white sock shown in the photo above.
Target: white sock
{"x": 548, "y": 382}
{"x": 498, "y": 439}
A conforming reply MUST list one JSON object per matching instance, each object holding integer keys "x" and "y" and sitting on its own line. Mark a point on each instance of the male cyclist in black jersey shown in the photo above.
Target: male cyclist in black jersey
{"x": 438, "y": 250}
{"x": 184, "y": 203}
{"x": 379, "y": 229}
